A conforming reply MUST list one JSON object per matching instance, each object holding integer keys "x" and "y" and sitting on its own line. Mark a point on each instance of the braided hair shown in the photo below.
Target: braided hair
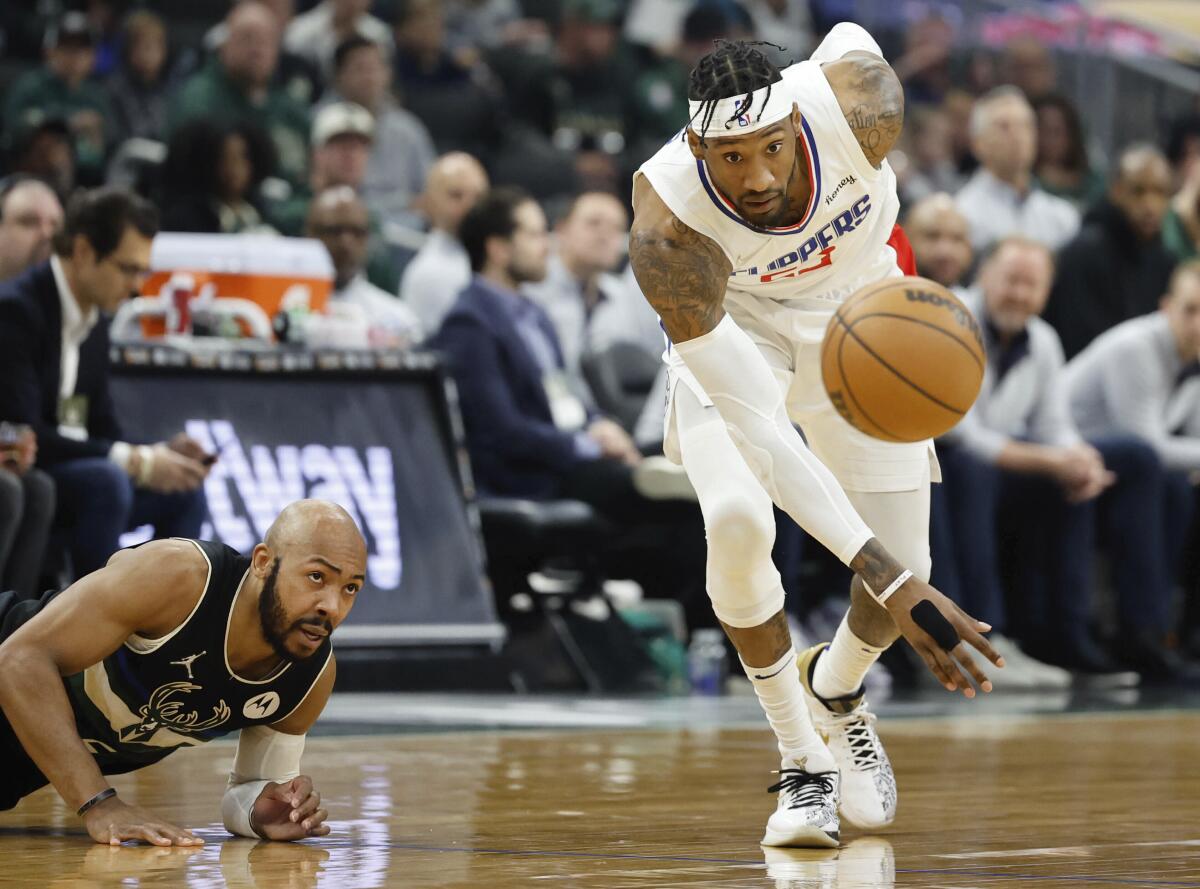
{"x": 734, "y": 67}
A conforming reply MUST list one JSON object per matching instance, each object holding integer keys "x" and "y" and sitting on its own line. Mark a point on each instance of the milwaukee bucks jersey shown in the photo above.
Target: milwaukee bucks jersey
{"x": 151, "y": 697}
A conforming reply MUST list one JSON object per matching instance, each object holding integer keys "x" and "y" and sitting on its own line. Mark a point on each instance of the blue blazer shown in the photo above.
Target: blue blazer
{"x": 516, "y": 450}
{"x": 31, "y": 369}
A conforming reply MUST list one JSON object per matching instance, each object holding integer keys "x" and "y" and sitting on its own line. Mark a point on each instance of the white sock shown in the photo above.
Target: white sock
{"x": 842, "y": 667}
{"x": 782, "y": 699}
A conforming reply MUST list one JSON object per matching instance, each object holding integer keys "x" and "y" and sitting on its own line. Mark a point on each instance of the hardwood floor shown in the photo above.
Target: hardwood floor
{"x": 985, "y": 800}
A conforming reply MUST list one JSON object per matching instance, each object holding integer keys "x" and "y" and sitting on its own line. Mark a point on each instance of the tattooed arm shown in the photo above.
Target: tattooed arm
{"x": 872, "y": 99}
{"x": 682, "y": 273}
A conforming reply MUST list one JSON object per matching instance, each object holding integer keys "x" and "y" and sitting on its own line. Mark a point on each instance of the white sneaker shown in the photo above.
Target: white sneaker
{"x": 868, "y": 784}
{"x": 807, "y": 811}
{"x": 1021, "y": 671}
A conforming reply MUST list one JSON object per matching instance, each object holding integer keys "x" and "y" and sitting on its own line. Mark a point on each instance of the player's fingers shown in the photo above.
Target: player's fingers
{"x": 307, "y": 806}
{"x": 981, "y": 644}
{"x": 925, "y": 650}
{"x": 321, "y": 830}
{"x": 314, "y": 820}
{"x": 300, "y": 788}
{"x": 955, "y": 675}
{"x": 147, "y": 833}
{"x": 962, "y": 654}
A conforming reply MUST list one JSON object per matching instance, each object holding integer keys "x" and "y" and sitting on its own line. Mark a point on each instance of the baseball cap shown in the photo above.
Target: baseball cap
{"x": 342, "y": 118}
{"x": 74, "y": 28}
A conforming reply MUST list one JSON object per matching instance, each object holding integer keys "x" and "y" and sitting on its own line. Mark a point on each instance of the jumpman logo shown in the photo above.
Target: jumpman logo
{"x": 187, "y": 662}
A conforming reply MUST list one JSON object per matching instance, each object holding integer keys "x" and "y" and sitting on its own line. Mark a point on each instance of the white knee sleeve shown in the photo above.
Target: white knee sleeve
{"x": 739, "y": 381}
{"x": 742, "y": 581}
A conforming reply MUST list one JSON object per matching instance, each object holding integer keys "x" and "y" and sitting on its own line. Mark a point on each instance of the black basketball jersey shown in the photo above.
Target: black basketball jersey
{"x": 153, "y": 696}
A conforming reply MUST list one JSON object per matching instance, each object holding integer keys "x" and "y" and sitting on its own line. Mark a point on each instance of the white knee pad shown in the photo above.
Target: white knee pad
{"x": 743, "y": 584}
{"x": 740, "y": 383}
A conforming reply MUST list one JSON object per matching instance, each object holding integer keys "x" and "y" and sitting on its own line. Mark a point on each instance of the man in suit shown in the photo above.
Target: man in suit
{"x": 528, "y": 433}
{"x": 54, "y": 378}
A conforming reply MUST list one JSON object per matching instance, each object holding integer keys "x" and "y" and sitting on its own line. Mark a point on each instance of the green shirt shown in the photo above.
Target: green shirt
{"x": 41, "y": 95}
{"x": 1176, "y": 238}
{"x": 212, "y": 95}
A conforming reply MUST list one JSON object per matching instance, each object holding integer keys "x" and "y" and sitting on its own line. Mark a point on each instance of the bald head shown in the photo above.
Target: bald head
{"x": 309, "y": 527}
{"x": 455, "y": 182}
{"x": 30, "y": 214}
{"x": 940, "y": 238}
{"x": 338, "y": 218}
{"x": 1141, "y": 188}
{"x": 251, "y": 49}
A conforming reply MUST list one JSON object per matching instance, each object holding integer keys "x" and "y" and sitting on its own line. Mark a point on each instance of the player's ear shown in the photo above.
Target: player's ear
{"x": 261, "y": 560}
{"x": 796, "y": 119}
{"x": 694, "y": 144}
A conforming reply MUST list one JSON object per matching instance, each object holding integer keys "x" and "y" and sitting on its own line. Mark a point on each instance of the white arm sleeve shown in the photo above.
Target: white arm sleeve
{"x": 845, "y": 37}
{"x": 734, "y": 374}
{"x": 263, "y": 756}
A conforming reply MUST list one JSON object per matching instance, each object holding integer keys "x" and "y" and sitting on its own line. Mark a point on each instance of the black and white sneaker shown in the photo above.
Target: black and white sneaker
{"x": 807, "y": 811}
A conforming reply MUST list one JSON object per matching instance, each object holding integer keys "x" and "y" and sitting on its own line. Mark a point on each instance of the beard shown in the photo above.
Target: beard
{"x": 274, "y": 619}
{"x": 780, "y": 216}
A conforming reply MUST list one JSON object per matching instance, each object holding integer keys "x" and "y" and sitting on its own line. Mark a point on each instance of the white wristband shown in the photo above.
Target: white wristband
{"x": 900, "y": 580}
{"x": 236, "y": 805}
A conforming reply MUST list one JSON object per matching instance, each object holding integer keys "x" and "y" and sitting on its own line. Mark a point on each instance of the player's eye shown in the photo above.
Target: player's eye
{"x": 351, "y": 588}
{"x": 316, "y": 576}
{"x": 775, "y": 148}
{"x": 733, "y": 157}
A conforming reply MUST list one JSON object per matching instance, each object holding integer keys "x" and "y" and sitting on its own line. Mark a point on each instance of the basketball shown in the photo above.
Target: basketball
{"x": 903, "y": 359}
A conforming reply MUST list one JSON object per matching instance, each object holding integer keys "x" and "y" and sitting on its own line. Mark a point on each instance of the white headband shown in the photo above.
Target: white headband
{"x": 726, "y": 121}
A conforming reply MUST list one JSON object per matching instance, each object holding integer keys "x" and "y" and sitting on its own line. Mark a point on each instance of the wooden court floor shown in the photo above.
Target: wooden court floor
{"x": 1050, "y": 802}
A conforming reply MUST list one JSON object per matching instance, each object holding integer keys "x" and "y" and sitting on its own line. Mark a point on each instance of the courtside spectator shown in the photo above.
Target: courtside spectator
{"x": 441, "y": 268}
{"x": 338, "y": 218}
{"x": 1116, "y": 267}
{"x": 212, "y": 175}
{"x": 1062, "y": 167}
{"x": 315, "y": 35}
{"x": 26, "y": 510}
{"x": 61, "y": 90}
{"x": 54, "y": 363}
{"x": 1021, "y": 487}
{"x": 139, "y": 89}
{"x": 402, "y": 152}
{"x": 237, "y": 86}
{"x": 940, "y": 240}
{"x": 30, "y": 215}
{"x": 1002, "y": 198}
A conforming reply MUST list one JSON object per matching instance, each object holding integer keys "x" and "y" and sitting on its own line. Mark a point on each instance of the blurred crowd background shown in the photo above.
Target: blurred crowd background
{"x": 1048, "y": 173}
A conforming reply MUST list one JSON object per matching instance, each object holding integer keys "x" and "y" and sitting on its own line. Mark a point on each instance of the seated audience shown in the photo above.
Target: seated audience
{"x": 26, "y": 510}
{"x": 315, "y": 34}
{"x": 1062, "y": 167}
{"x": 294, "y": 74}
{"x": 402, "y": 152}
{"x": 238, "y": 86}
{"x": 62, "y": 90}
{"x": 212, "y": 175}
{"x": 139, "y": 90}
{"x": 45, "y": 151}
{"x": 527, "y": 435}
{"x": 1116, "y": 267}
{"x": 30, "y": 215}
{"x": 1002, "y": 198}
{"x": 591, "y": 307}
{"x": 338, "y": 218}
{"x": 54, "y": 361}
{"x": 930, "y": 155}
{"x": 441, "y": 268}
{"x": 940, "y": 240}
{"x": 1017, "y": 462}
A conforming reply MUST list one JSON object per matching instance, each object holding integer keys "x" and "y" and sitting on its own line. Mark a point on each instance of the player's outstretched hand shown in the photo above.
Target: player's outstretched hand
{"x": 290, "y": 811}
{"x": 114, "y": 821}
{"x": 939, "y": 631}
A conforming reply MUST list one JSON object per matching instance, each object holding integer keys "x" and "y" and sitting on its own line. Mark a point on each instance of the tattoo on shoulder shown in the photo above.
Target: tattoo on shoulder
{"x": 683, "y": 275}
{"x": 873, "y": 102}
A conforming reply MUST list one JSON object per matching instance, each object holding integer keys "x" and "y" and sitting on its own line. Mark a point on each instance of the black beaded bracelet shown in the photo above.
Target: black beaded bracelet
{"x": 106, "y": 793}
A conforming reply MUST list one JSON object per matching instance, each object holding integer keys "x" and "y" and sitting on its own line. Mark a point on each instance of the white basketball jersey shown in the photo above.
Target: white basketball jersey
{"x": 840, "y": 244}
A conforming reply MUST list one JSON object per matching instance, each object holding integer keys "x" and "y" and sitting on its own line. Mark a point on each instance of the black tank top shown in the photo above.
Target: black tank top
{"x": 153, "y": 696}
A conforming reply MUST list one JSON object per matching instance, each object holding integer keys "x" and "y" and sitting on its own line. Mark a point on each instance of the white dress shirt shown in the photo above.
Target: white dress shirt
{"x": 434, "y": 278}
{"x": 995, "y": 209}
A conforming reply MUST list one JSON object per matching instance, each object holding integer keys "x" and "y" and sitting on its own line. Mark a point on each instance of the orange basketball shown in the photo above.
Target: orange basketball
{"x": 903, "y": 359}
